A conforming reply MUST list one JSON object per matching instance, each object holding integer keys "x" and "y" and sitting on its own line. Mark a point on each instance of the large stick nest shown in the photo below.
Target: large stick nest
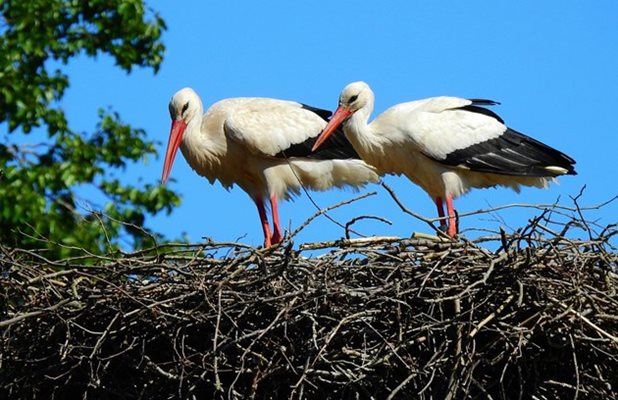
{"x": 371, "y": 318}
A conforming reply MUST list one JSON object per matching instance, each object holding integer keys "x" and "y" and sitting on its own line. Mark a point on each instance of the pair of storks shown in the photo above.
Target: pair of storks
{"x": 271, "y": 148}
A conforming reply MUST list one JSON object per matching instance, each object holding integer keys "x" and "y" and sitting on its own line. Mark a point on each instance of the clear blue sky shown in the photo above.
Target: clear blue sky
{"x": 552, "y": 64}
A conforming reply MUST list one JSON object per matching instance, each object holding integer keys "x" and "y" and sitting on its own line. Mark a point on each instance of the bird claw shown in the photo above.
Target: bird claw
{"x": 276, "y": 238}
{"x": 273, "y": 239}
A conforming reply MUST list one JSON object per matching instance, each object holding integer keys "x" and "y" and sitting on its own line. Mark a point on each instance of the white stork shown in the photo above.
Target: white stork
{"x": 446, "y": 145}
{"x": 263, "y": 146}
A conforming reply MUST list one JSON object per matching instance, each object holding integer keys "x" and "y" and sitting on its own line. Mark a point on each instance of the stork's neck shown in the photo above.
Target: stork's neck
{"x": 359, "y": 132}
{"x": 191, "y": 141}
{"x": 204, "y": 144}
{"x": 193, "y": 127}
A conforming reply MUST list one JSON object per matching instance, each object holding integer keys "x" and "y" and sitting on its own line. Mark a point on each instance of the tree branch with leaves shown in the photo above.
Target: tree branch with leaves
{"x": 39, "y": 199}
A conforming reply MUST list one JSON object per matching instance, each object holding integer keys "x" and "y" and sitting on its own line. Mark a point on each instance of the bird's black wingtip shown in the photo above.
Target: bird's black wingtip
{"x": 484, "y": 102}
{"x": 324, "y": 114}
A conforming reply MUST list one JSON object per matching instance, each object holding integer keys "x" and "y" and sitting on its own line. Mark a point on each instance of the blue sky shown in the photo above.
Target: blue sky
{"x": 553, "y": 66}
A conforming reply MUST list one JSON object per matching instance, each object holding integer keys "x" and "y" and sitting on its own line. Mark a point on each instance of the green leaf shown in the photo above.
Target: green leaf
{"x": 40, "y": 186}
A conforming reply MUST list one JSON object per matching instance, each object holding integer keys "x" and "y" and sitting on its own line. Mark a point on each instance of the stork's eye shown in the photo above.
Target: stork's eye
{"x": 184, "y": 108}
{"x": 353, "y": 98}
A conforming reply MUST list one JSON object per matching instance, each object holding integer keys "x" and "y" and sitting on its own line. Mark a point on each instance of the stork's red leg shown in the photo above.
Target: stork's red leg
{"x": 264, "y": 220}
{"x": 276, "y": 236}
{"x": 440, "y": 206}
{"x": 452, "y": 224}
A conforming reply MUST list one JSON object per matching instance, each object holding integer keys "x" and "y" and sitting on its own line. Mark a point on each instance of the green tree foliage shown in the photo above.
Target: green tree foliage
{"x": 39, "y": 204}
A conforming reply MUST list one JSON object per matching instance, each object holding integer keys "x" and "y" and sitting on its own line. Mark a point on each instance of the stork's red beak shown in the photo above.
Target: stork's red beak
{"x": 178, "y": 129}
{"x": 337, "y": 119}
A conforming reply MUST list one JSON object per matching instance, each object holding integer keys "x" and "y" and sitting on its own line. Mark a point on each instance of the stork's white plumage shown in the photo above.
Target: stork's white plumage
{"x": 446, "y": 145}
{"x": 263, "y": 146}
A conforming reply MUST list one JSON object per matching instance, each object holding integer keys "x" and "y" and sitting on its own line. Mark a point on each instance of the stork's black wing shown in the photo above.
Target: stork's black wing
{"x": 337, "y": 146}
{"x": 512, "y": 153}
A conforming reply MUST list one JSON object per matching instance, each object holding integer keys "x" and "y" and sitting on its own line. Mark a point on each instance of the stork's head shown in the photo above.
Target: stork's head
{"x": 353, "y": 97}
{"x": 184, "y": 107}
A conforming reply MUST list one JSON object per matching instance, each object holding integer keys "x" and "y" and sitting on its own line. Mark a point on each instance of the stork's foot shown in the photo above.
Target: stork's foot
{"x": 276, "y": 238}
{"x": 451, "y": 230}
{"x": 272, "y": 239}
{"x": 453, "y": 225}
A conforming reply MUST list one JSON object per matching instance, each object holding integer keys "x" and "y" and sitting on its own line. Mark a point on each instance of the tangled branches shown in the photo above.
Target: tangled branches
{"x": 370, "y": 318}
